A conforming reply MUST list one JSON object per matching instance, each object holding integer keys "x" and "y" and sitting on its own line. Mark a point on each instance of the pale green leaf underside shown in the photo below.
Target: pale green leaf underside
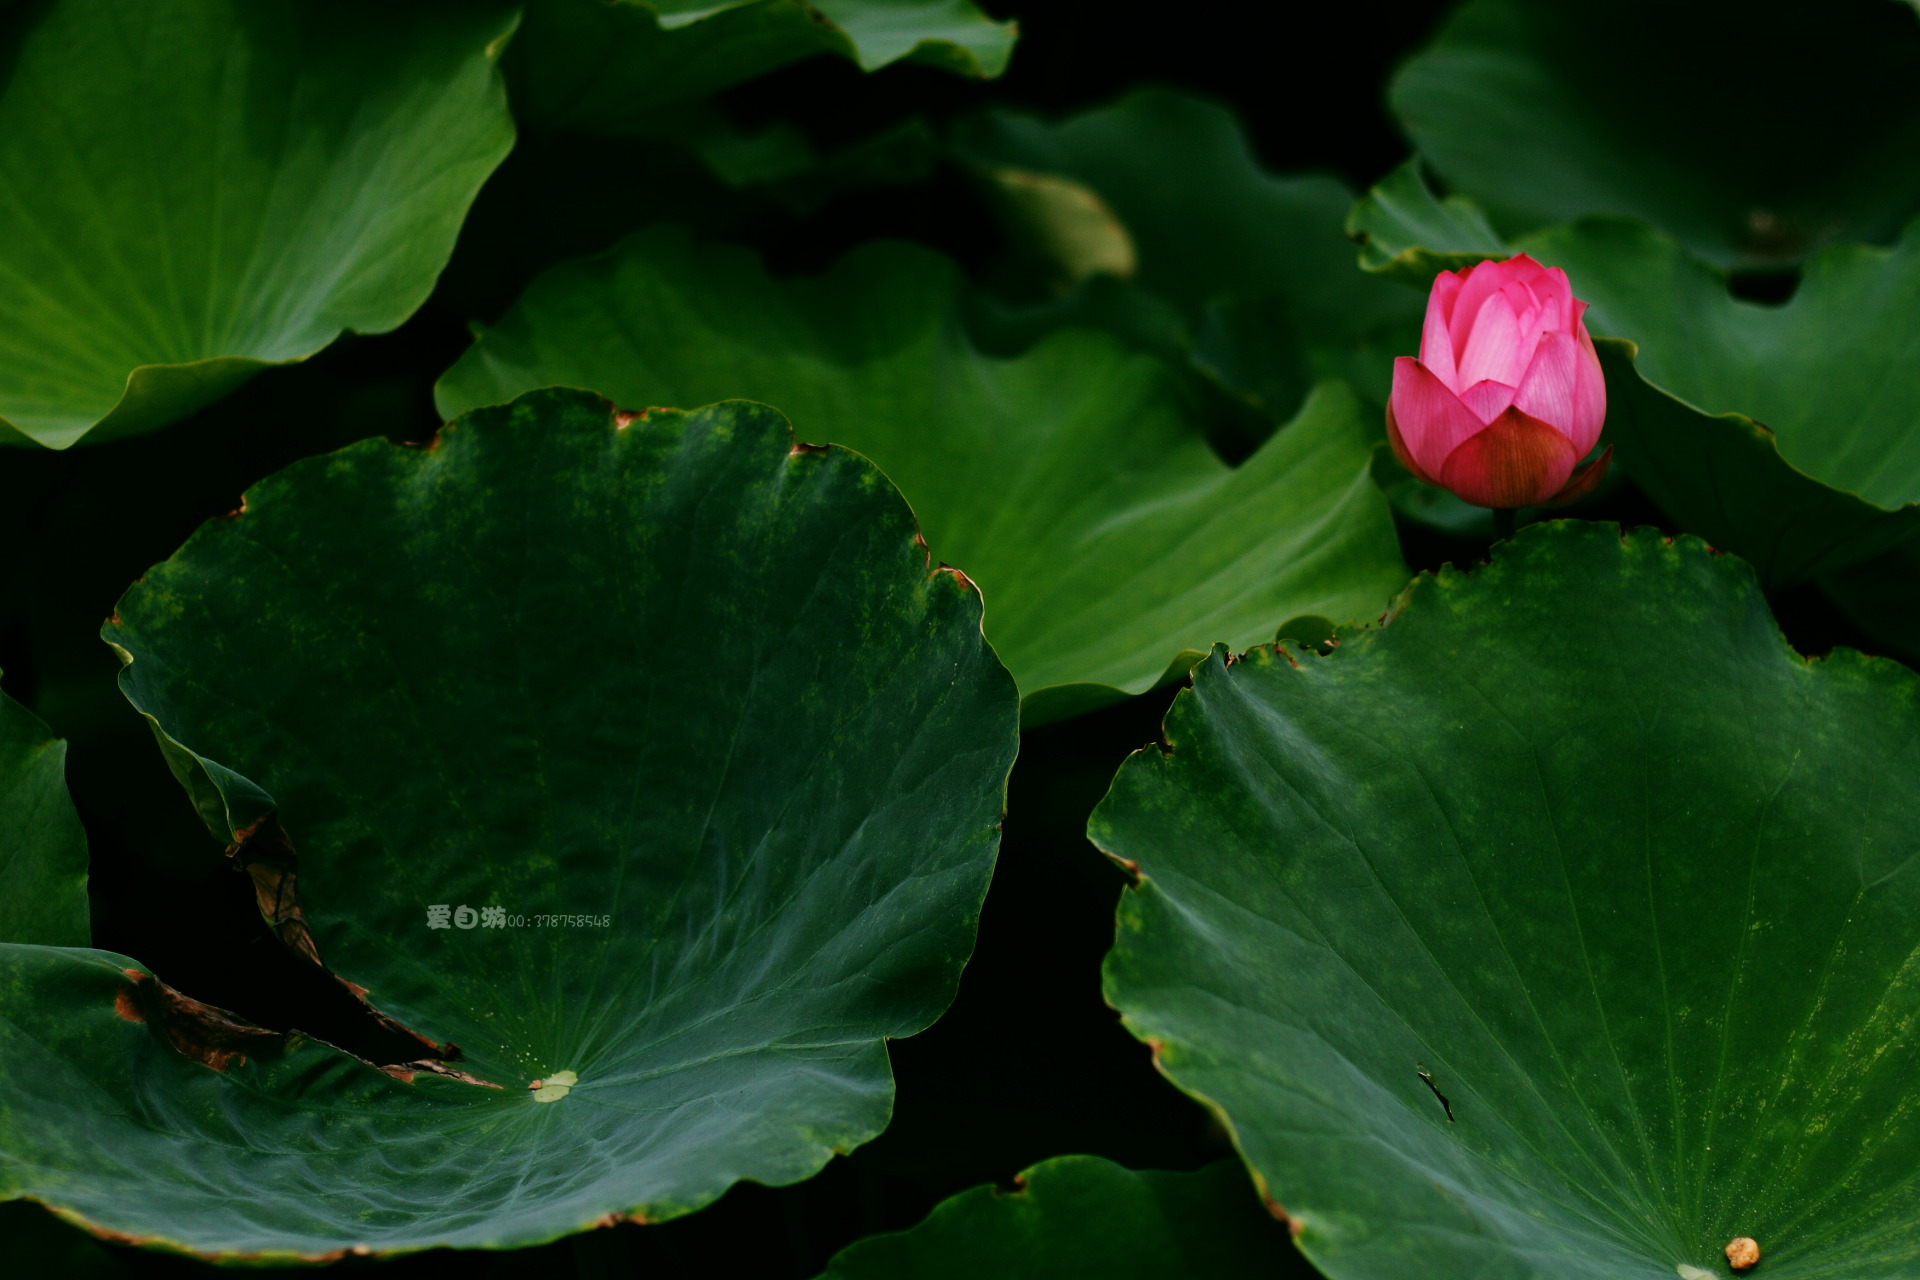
{"x": 1072, "y": 483}
{"x": 671, "y": 673}
{"x": 1084, "y": 1218}
{"x": 1579, "y": 837}
{"x": 199, "y": 188}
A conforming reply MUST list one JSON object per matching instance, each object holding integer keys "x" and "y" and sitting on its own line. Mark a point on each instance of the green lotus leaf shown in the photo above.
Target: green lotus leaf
{"x": 43, "y": 851}
{"x": 1545, "y": 111}
{"x": 702, "y": 757}
{"x": 1561, "y": 927}
{"x": 1253, "y": 262}
{"x": 1205, "y": 217}
{"x": 1411, "y": 235}
{"x": 1081, "y": 1216}
{"x": 608, "y": 66}
{"x": 201, "y": 188}
{"x": 1112, "y": 544}
{"x": 1804, "y": 453}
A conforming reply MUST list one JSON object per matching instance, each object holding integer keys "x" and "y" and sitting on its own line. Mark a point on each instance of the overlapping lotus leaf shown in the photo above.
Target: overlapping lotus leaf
{"x": 1257, "y": 264}
{"x": 647, "y": 760}
{"x": 1073, "y": 483}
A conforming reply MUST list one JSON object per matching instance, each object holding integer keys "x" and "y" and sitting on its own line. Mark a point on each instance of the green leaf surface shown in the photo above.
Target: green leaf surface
{"x": 1081, "y": 1216}
{"x": 1754, "y": 133}
{"x": 1407, "y": 233}
{"x": 1112, "y": 544}
{"x": 201, "y": 188}
{"x": 1804, "y": 453}
{"x": 686, "y": 704}
{"x": 1562, "y": 927}
{"x": 608, "y": 66}
{"x": 1206, "y": 218}
{"x": 43, "y": 850}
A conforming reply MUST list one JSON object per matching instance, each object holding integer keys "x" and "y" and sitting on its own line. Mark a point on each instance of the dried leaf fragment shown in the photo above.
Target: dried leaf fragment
{"x": 209, "y": 1035}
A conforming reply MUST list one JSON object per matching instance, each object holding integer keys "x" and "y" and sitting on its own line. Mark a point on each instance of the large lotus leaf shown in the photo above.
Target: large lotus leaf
{"x": 200, "y": 188}
{"x": 1081, "y": 1216}
{"x": 1564, "y": 926}
{"x": 1205, "y": 217}
{"x": 1805, "y": 453}
{"x": 43, "y": 851}
{"x": 1753, "y": 131}
{"x": 1112, "y": 544}
{"x": 684, "y": 703}
{"x": 608, "y": 66}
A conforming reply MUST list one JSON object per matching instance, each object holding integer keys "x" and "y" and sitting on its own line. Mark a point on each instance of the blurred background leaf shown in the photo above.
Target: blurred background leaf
{"x": 199, "y": 188}
{"x": 1753, "y": 132}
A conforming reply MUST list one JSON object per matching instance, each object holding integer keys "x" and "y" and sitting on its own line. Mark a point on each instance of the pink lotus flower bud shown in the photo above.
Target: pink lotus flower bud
{"x": 1507, "y": 395}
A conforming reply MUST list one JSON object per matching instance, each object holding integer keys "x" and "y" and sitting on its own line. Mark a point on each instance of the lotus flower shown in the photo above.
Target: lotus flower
{"x": 1507, "y": 396}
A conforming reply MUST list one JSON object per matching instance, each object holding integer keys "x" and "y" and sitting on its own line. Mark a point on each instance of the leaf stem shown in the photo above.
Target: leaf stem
{"x": 1503, "y": 521}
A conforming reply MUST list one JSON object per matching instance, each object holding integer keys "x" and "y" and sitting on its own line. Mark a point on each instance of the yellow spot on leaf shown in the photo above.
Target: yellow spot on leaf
{"x": 554, "y": 1087}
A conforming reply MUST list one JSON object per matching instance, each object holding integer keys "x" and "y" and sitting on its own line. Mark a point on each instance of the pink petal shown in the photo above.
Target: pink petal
{"x": 1481, "y": 282}
{"x": 1496, "y": 348}
{"x": 1591, "y": 394}
{"x": 1446, "y": 288}
{"x": 1517, "y": 461}
{"x": 1487, "y": 399}
{"x": 1521, "y": 266}
{"x": 1398, "y": 443}
{"x": 1429, "y": 418}
{"x": 1522, "y": 298}
{"x": 1554, "y": 290}
{"x": 1436, "y": 344}
{"x": 1564, "y": 389}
